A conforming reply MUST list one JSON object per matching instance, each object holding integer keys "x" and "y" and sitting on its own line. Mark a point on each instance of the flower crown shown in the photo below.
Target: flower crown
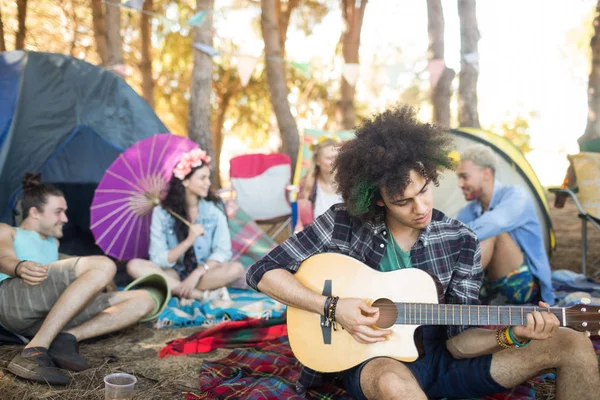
{"x": 328, "y": 136}
{"x": 190, "y": 160}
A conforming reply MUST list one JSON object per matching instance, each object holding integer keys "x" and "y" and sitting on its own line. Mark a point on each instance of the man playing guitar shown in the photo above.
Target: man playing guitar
{"x": 385, "y": 176}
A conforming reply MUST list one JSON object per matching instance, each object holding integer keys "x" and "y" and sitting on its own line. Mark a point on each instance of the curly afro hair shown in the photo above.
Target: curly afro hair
{"x": 386, "y": 148}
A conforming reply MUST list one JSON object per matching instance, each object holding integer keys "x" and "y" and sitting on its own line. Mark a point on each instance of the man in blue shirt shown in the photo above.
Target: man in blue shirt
{"x": 505, "y": 220}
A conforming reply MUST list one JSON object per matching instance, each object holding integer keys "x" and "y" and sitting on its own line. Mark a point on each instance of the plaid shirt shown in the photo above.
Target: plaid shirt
{"x": 446, "y": 248}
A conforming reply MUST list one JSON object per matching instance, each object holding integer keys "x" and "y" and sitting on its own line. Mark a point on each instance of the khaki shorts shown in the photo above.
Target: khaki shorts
{"x": 23, "y": 308}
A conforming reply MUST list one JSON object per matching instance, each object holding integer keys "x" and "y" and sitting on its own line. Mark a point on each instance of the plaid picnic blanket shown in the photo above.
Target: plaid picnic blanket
{"x": 244, "y": 303}
{"x": 270, "y": 371}
{"x": 250, "y": 332}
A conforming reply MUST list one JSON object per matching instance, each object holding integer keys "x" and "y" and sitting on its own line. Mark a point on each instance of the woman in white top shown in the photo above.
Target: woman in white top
{"x": 317, "y": 192}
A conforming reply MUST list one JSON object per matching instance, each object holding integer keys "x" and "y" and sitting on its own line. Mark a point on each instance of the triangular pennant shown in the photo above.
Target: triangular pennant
{"x": 197, "y": 19}
{"x": 207, "y": 49}
{"x": 472, "y": 59}
{"x": 304, "y": 68}
{"x": 393, "y": 73}
{"x": 435, "y": 69}
{"x": 245, "y": 67}
{"x": 350, "y": 73}
{"x": 119, "y": 69}
{"x": 135, "y": 4}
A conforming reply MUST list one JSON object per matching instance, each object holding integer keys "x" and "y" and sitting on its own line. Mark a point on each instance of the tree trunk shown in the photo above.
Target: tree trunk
{"x": 592, "y": 129}
{"x": 469, "y": 65}
{"x": 440, "y": 91}
{"x": 99, "y": 26}
{"x": 217, "y": 136}
{"x": 2, "y": 42}
{"x": 350, "y": 40}
{"x": 284, "y": 15}
{"x": 277, "y": 81}
{"x": 21, "y": 17}
{"x": 146, "y": 62}
{"x": 114, "y": 41}
{"x": 199, "y": 127}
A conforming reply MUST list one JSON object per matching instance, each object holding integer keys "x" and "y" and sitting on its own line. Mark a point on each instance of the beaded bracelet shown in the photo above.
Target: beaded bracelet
{"x": 500, "y": 332}
{"x": 515, "y": 341}
{"x": 332, "y": 307}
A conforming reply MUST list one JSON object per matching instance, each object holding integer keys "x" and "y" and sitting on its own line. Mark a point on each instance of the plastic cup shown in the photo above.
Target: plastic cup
{"x": 119, "y": 386}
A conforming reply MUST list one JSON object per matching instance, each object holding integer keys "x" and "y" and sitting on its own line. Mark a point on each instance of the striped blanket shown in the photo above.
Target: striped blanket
{"x": 243, "y": 304}
{"x": 249, "y": 243}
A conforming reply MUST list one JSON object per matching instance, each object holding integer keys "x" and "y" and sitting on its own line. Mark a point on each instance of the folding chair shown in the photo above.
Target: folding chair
{"x": 585, "y": 173}
{"x": 260, "y": 183}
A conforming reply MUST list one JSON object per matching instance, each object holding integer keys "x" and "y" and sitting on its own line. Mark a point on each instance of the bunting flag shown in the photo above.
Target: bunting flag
{"x": 245, "y": 67}
{"x": 393, "y": 73}
{"x": 304, "y": 68}
{"x": 435, "y": 69}
{"x": 350, "y": 73}
{"x": 135, "y": 4}
{"x": 472, "y": 59}
{"x": 207, "y": 49}
{"x": 197, "y": 19}
{"x": 119, "y": 69}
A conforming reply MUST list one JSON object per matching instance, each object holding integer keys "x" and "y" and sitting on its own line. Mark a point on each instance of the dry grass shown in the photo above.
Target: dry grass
{"x": 135, "y": 350}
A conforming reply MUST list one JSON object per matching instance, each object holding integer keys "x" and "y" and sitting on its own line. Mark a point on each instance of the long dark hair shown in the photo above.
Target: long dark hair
{"x": 35, "y": 193}
{"x": 175, "y": 201}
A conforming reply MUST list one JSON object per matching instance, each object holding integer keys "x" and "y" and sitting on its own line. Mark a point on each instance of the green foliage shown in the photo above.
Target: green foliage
{"x": 516, "y": 130}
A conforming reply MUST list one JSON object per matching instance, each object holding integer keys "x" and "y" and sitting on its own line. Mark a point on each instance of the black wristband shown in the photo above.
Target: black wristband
{"x": 326, "y": 308}
{"x": 17, "y": 266}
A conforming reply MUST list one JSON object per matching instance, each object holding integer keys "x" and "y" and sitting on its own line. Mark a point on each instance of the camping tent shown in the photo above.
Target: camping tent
{"x": 69, "y": 120}
{"x": 513, "y": 169}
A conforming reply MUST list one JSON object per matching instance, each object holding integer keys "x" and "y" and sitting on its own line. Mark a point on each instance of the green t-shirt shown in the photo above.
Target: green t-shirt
{"x": 394, "y": 257}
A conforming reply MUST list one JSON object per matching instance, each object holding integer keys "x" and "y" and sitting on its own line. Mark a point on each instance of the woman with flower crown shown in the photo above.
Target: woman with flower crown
{"x": 317, "y": 191}
{"x": 189, "y": 237}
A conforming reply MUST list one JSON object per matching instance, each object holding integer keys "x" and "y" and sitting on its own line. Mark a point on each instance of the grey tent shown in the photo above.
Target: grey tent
{"x": 69, "y": 120}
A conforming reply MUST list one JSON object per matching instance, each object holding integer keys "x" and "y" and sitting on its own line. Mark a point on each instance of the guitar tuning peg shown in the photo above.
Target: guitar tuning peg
{"x": 585, "y": 300}
{"x": 588, "y": 333}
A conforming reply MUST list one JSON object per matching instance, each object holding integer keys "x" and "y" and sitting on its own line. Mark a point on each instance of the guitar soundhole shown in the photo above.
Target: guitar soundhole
{"x": 388, "y": 313}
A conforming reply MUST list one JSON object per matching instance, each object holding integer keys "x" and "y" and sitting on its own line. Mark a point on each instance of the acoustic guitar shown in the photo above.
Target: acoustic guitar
{"x": 407, "y": 299}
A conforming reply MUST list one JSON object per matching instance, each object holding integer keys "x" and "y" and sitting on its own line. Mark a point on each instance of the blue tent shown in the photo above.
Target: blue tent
{"x": 69, "y": 120}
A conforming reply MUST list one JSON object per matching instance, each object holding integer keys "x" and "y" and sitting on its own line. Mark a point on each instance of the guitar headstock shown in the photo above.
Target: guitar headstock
{"x": 583, "y": 317}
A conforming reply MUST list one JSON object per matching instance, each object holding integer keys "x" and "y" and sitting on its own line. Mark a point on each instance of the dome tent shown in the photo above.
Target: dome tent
{"x": 69, "y": 120}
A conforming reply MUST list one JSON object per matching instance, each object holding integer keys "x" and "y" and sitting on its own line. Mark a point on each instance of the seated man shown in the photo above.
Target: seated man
{"x": 56, "y": 303}
{"x": 505, "y": 220}
{"x": 388, "y": 222}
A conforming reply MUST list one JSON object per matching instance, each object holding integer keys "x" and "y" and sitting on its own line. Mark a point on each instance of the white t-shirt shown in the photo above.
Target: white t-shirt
{"x": 325, "y": 200}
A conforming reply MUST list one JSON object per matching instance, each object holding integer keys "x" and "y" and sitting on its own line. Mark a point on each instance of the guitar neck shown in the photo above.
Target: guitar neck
{"x": 458, "y": 314}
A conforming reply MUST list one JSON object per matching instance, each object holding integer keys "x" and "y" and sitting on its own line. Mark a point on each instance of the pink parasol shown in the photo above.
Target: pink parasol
{"x": 132, "y": 186}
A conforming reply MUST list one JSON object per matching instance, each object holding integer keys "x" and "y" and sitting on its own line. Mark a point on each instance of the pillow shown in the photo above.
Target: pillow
{"x": 587, "y": 171}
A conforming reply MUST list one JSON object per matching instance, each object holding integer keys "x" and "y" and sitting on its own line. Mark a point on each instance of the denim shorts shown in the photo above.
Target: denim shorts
{"x": 439, "y": 374}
